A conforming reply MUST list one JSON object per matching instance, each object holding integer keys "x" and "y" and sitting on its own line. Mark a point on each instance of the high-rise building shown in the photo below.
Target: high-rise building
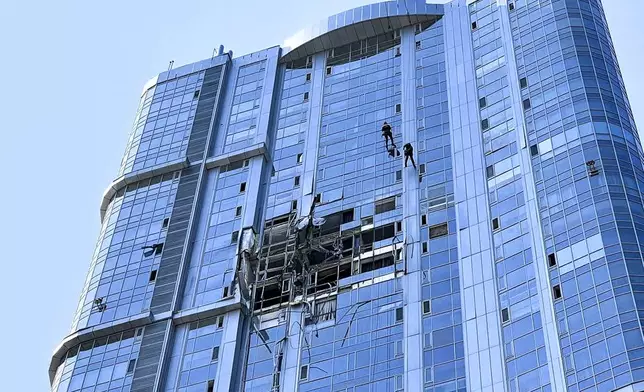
{"x": 260, "y": 236}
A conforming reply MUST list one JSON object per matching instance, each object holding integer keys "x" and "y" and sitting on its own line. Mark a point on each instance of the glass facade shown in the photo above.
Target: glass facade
{"x": 523, "y": 337}
{"x": 104, "y": 364}
{"x": 261, "y": 235}
{"x": 121, "y": 278}
{"x": 162, "y": 126}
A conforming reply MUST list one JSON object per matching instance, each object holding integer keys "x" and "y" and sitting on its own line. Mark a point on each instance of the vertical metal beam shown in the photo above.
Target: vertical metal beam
{"x": 312, "y": 140}
{"x": 230, "y": 352}
{"x": 412, "y": 279}
{"x": 482, "y": 332}
{"x": 291, "y": 364}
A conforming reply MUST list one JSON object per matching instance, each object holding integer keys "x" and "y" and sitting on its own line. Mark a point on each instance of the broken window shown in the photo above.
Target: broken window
{"x": 374, "y": 263}
{"x": 347, "y": 216}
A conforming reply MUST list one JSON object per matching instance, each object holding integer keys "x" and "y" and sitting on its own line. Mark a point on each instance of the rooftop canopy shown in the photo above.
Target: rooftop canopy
{"x": 358, "y": 24}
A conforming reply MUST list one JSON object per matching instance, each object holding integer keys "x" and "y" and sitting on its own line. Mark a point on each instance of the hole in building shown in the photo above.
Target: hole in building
{"x": 154, "y": 249}
{"x": 347, "y": 216}
{"x": 332, "y": 254}
{"x": 328, "y": 70}
{"x": 424, "y": 247}
{"x": 423, "y": 219}
{"x": 374, "y": 263}
{"x": 399, "y": 315}
{"x": 421, "y": 169}
{"x": 397, "y": 51}
{"x": 505, "y": 315}
{"x": 139, "y": 332}
{"x": 166, "y": 221}
{"x": 534, "y": 150}
{"x": 418, "y": 45}
{"x": 225, "y": 292}
{"x": 511, "y": 6}
{"x": 552, "y": 260}
{"x": 556, "y": 292}
{"x": 438, "y": 230}
{"x": 220, "y": 322}
{"x": 474, "y": 25}
{"x": 215, "y": 353}
{"x": 482, "y": 102}
{"x": 306, "y": 96}
{"x": 398, "y": 226}
{"x": 296, "y": 181}
{"x": 427, "y": 307}
{"x": 318, "y": 198}
{"x": 308, "y": 77}
{"x": 523, "y": 82}
{"x": 526, "y": 104}
{"x": 300, "y": 158}
{"x": 398, "y": 108}
{"x": 153, "y": 275}
{"x": 211, "y": 386}
{"x": 238, "y": 211}
{"x": 246, "y": 162}
{"x": 294, "y": 205}
{"x": 196, "y": 94}
{"x": 485, "y": 124}
{"x": 398, "y": 175}
{"x": 495, "y": 224}
{"x": 242, "y": 187}
{"x": 234, "y": 237}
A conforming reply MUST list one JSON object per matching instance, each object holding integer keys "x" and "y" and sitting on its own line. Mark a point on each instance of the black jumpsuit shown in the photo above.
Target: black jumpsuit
{"x": 386, "y": 133}
{"x": 409, "y": 154}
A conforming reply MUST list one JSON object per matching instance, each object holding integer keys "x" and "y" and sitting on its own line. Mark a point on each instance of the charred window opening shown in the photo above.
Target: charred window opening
{"x": 313, "y": 254}
{"x": 347, "y": 216}
{"x": 376, "y": 263}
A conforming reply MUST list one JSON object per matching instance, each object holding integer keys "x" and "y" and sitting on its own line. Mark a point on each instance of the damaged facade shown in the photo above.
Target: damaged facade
{"x": 260, "y": 236}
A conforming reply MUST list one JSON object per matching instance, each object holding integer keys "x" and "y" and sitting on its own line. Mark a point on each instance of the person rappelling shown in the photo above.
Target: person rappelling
{"x": 386, "y": 133}
{"x": 408, "y": 150}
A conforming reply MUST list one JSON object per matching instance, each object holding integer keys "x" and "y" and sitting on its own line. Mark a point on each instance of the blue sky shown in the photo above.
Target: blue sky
{"x": 72, "y": 72}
